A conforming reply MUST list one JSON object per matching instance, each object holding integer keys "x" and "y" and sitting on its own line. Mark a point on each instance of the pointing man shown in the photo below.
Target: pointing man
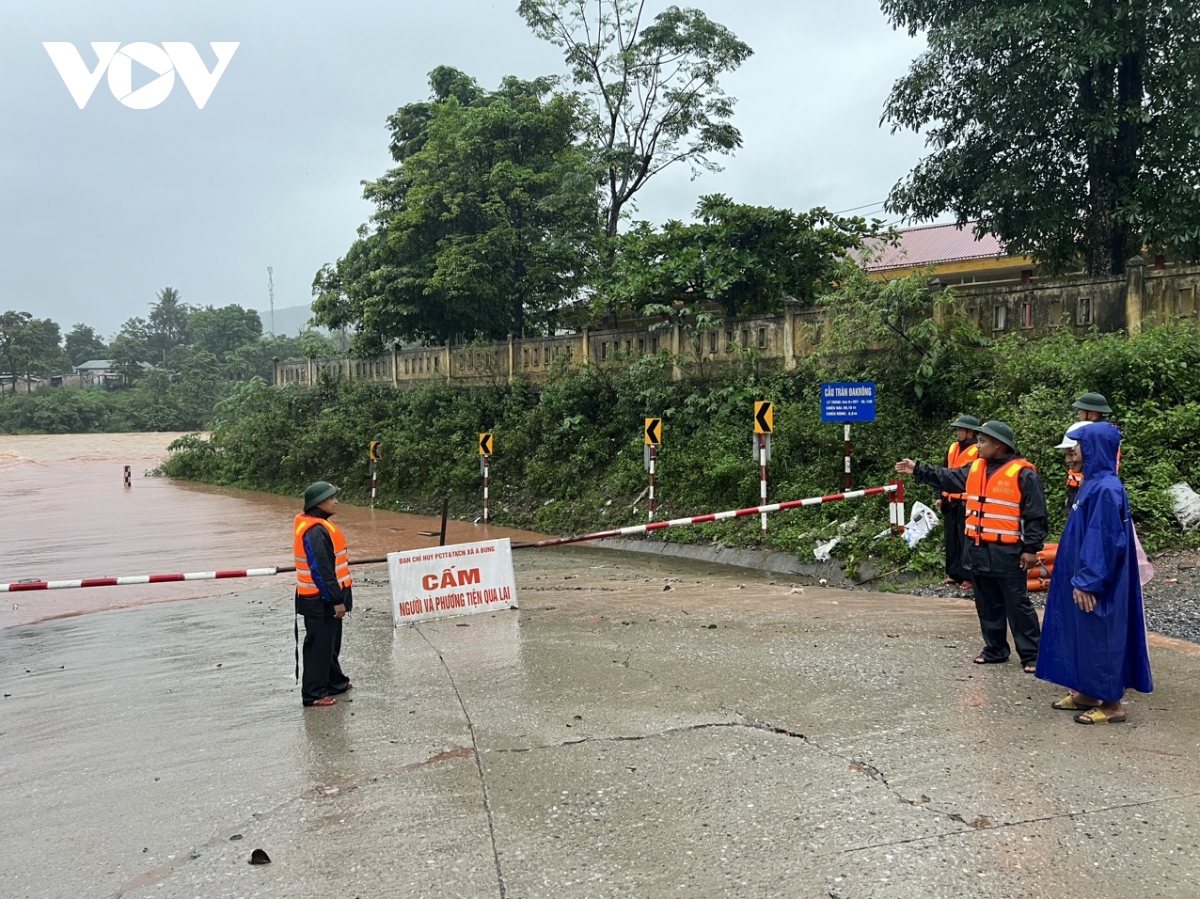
{"x": 1005, "y": 528}
{"x": 963, "y": 451}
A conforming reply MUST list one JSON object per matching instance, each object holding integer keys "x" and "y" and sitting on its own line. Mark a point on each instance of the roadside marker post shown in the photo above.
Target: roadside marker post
{"x": 375, "y": 453}
{"x": 652, "y": 434}
{"x": 764, "y": 424}
{"x": 128, "y": 478}
{"x": 486, "y": 445}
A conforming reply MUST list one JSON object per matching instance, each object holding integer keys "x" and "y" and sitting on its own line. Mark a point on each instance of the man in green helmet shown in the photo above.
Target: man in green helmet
{"x": 1093, "y": 407}
{"x": 1005, "y": 529}
{"x": 963, "y": 451}
{"x": 323, "y": 594}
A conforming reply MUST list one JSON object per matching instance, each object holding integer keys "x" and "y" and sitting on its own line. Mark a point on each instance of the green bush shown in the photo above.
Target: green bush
{"x": 569, "y": 455}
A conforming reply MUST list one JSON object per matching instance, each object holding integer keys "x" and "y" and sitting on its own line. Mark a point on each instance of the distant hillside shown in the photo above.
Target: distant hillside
{"x": 289, "y": 321}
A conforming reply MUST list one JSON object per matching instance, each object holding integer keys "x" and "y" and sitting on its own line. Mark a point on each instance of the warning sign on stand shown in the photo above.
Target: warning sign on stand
{"x": 445, "y": 581}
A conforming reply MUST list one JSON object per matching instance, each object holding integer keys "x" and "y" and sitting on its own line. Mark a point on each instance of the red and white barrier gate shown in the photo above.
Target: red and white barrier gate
{"x": 895, "y": 516}
{"x": 20, "y": 586}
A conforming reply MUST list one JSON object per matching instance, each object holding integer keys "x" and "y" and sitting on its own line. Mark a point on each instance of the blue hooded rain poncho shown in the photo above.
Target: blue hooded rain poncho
{"x": 1100, "y": 653}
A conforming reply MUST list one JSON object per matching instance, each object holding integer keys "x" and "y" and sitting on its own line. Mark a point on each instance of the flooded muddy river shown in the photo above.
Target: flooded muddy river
{"x": 71, "y": 516}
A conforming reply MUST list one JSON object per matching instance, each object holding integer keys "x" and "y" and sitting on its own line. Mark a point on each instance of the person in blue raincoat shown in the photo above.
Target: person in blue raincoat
{"x": 1094, "y": 633}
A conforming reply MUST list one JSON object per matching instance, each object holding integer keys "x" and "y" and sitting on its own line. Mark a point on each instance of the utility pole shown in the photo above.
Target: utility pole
{"x": 271, "y": 295}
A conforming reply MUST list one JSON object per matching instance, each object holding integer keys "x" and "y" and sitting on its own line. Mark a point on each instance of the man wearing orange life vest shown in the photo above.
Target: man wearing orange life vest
{"x": 1004, "y": 530}
{"x": 323, "y": 593}
{"x": 963, "y": 451}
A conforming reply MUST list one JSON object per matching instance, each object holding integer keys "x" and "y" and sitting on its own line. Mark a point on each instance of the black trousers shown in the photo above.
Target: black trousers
{"x": 323, "y": 675}
{"x": 1001, "y": 603}
{"x": 954, "y": 519}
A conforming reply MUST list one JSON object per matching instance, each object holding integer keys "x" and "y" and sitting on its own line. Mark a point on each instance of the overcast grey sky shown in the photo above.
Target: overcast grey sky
{"x": 106, "y": 205}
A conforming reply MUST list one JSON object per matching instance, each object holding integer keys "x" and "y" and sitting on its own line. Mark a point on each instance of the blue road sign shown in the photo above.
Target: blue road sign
{"x": 848, "y": 401}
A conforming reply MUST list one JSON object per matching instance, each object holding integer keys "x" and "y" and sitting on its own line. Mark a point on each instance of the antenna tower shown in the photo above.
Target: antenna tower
{"x": 271, "y": 295}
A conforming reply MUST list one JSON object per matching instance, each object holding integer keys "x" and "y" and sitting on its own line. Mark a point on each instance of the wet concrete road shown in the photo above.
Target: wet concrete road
{"x": 725, "y": 737}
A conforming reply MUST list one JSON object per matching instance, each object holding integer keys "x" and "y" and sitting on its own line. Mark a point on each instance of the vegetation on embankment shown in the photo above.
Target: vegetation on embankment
{"x": 568, "y": 456}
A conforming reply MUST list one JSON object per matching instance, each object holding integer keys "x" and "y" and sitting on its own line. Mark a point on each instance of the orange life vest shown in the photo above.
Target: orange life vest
{"x": 994, "y": 504}
{"x": 957, "y": 457}
{"x": 305, "y": 585}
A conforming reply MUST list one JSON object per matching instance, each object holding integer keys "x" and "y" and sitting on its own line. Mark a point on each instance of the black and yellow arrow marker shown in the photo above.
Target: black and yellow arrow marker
{"x": 485, "y": 444}
{"x": 764, "y": 417}
{"x": 653, "y": 432}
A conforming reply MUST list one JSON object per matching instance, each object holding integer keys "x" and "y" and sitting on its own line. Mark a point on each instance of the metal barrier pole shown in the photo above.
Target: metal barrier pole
{"x": 704, "y": 519}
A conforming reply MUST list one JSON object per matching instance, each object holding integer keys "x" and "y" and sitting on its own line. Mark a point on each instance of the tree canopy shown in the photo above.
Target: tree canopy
{"x": 1069, "y": 129}
{"x": 220, "y": 331}
{"x": 487, "y": 224}
{"x": 167, "y": 327}
{"x": 653, "y": 90}
{"x": 745, "y": 258}
{"x": 29, "y": 346}
{"x": 84, "y": 344}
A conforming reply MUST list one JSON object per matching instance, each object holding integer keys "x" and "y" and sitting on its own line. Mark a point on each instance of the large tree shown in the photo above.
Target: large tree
{"x": 1067, "y": 128}
{"x": 745, "y": 258}
{"x": 83, "y": 344}
{"x": 484, "y": 228}
{"x": 220, "y": 331}
{"x": 168, "y": 323}
{"x": 654, "y": 90}
{"x": 29, "y": 346}
{"x": 130, "y": 348}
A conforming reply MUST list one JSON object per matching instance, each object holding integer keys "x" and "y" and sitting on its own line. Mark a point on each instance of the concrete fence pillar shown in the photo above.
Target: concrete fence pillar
{"x": 936, "y": 288}
{"x": 1135, "y": 294}
{"x": 676, "y": 351}
{"x": 790, "y": 343}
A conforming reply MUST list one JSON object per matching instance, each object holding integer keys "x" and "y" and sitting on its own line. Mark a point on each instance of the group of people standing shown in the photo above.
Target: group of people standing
{"x": 1093, "y": 639}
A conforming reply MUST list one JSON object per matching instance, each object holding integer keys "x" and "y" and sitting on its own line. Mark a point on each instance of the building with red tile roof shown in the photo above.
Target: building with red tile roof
{"x": 951, "y": 253}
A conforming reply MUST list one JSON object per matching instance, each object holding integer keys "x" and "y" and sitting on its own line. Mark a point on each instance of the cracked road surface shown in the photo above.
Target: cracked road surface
{"x": 731, "y": 736}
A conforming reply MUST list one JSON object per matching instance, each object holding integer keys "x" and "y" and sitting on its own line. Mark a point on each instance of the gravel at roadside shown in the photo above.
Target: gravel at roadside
{"x": 1172, "y": 597}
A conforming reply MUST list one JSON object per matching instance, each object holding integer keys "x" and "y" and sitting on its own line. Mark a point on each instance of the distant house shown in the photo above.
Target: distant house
{"x": 98, "y": 373}
{"x": 18, "y": 384}
{"x": 950, "y": 253}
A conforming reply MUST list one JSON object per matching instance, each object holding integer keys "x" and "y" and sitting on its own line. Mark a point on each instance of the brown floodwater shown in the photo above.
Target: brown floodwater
{"x": 71, "y": 516}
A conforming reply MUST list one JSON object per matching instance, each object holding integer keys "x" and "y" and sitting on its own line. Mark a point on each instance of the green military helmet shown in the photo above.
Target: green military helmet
{"x": 1092, "y": 402}
{"x": 969, "y": 422}
{"x": 998, "y": 430}
{"x": 319, "y": 492}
